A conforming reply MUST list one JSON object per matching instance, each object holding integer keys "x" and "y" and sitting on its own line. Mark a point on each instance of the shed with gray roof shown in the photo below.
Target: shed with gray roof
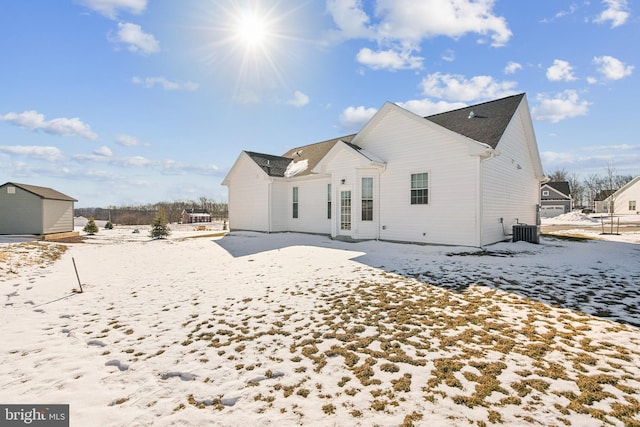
{"x": 29, "y": 209}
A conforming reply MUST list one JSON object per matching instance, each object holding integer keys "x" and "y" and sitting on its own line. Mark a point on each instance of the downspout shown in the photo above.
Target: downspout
{"x": 379, "y": 202}
{"x": 269, "y": 205}
{"x": 480, "y": 201}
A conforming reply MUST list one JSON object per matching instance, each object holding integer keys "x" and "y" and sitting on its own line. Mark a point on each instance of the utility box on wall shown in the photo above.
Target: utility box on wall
{"x": 526, "y": 233}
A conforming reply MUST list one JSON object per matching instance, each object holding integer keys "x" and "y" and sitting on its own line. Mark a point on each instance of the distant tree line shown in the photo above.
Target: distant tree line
{"x": 145, "y": 214}
{"x": 585, "y": 191}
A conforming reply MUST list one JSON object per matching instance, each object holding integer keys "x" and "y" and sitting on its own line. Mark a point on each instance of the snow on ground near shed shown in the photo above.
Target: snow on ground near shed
{"x": 291, "y": 329}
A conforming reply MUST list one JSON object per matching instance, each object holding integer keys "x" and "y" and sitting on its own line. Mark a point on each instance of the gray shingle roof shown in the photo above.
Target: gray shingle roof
{"x": 313, "y": 153}
{"x": 487, "y": 123}
{"x": 561, "y": 186}
{"x": 44, "y": 192}
{"x": 272, "y": 165}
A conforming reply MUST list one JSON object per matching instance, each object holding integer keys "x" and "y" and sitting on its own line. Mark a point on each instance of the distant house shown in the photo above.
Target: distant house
{"x": 625, "y": 201}
{"x": 192, "y": 216}
{"x": 463, "y": 177}
{"x": 555, "y": 199}
{"x": 601, "y": 201}
{"x": 28, "y": 209}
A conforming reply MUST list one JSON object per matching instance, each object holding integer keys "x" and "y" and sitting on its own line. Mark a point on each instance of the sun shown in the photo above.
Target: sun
{"x": 254, "y": 42}
{"x": 252, "y": 30}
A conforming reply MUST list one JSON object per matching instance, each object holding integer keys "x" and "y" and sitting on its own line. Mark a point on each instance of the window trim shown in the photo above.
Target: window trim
{"x": 369, "y": 200}
{"x": 295, "y": 203}
{"x": 411, "y": 189}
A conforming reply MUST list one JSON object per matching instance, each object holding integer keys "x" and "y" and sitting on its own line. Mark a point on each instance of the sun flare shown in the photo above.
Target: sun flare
{"x": 251, "y": 30}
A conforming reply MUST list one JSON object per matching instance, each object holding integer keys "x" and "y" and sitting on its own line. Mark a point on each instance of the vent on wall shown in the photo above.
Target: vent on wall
{"x": 526, "y": 233}
{"x": 11, "y": 190}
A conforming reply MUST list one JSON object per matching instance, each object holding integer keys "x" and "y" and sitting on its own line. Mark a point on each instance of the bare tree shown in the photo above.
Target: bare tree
{"x": 558, "y": 175}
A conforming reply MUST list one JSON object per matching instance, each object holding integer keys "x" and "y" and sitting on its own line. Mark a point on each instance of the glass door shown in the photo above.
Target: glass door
{"x": 345, "y": 210}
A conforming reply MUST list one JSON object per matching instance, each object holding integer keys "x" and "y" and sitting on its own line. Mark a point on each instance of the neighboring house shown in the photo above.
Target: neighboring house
{"x": 601, "y": 201}
{"x": 625, "y": 201}
{"x": 28, "y": 209}
{"x": 555, "y": 199}
{"x": 464, "y": 177}
{"x": 193, "y": 216}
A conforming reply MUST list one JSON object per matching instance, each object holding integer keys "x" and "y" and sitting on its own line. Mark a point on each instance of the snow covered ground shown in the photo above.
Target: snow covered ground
{"x": 243, "y": 329}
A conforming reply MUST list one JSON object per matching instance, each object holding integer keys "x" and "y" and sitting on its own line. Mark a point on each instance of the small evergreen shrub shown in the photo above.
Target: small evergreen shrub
{"x": 159, "y": 227}
{"x": 90, "y": 228}
{"x": 109, "y": 225}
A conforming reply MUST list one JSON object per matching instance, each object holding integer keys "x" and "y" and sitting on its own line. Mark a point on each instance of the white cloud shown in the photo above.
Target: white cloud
{"x": 103, "y": 151}
{"x": 351, "y": 20}
{"x": 398, "y": 27}
{"x": 512, "y": 67}
{"x": 166, "y": 84}
{"x": 33, "y": 120}
{"x": 449, "y": 55}
{"x": 617, "y": 12}
{"x": 110, "y": 8}
{"x": 299, "y": 99}
{"x": 353, "y": 118}
{"x": 128, "y": 140}
{"x": 560, "y": 71}
{"x": 561, "y": 106}
{"x": 50, "y": 154}
{"x": 612, "y": 68}
{"x": 412, "y": 20}
{"x": 136, "y": 39}
{"x": 455, "y": 87}
{"x": 389, "y": 59}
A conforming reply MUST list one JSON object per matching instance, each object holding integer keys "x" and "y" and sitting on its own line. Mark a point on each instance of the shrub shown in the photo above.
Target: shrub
{"x": 90, "y": 228}
{"x": 159, "y": 227}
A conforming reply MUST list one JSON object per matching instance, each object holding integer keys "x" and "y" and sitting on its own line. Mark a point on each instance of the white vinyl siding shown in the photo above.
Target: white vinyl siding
{"x": 248, "y": 197}
{"x": 409, "y": 146}
{"x": 509, "y": 187}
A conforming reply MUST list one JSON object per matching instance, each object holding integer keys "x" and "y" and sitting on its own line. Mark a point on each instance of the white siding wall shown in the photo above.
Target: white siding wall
{"x": 280, "y": 207}
{"x": 621, "y": 202}
{"x": 410, "y": 147}
{"x": 510, "y": 188}
{"x": 57, "y": 216}
{"x": 312, "y": 205}
{"x": 248, "y": 197}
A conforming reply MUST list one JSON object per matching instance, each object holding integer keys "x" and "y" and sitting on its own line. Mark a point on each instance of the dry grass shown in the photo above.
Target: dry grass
{"x": 369, "y": 332}
{"x": 15, "y": 256}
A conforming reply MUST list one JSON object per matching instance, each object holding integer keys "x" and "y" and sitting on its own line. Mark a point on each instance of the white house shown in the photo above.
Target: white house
{"x": 626, "y": 200}
{"x": 463, "y": 177}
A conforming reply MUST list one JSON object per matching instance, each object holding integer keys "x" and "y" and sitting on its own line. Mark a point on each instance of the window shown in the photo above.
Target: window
{"x": 295, "y": 202}
{"x": 328, "y": 201}
{"x": 419, "y": 188}
{"x": 632, "y": 205}
{"x": 367, "y": 199}
{"x": 545, "y": 192}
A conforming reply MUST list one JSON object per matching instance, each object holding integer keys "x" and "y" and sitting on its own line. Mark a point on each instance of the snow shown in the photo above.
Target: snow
{"x": 208, "y": 328}
{"x": 294, "y": 168}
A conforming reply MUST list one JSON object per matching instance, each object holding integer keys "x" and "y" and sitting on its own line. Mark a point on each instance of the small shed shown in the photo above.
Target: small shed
{"x": 29, "y": 209}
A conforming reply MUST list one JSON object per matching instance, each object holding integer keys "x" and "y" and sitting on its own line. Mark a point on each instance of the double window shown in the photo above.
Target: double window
{"x": 420, "y": 188}
{"x": 367, "y": 199}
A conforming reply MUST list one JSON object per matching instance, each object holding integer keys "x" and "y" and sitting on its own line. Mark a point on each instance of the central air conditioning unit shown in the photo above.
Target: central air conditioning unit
{"x": 526, "y": 233}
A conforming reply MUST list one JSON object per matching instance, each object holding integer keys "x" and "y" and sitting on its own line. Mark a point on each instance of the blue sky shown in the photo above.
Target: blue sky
{"x": 119, "y": 102}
